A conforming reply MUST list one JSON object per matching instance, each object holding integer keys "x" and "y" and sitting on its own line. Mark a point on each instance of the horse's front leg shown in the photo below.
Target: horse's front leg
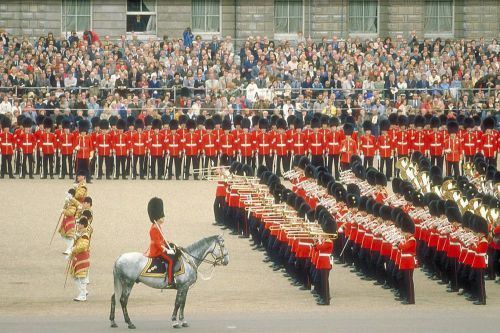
{"x": 175, "y": 323}
{"x": 183, "y": 303}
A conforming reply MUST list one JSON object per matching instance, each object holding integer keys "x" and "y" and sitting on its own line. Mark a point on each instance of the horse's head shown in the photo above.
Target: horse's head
{"x": 220, "y": 252}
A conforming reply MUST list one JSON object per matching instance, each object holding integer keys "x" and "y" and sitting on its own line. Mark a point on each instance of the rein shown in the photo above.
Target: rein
{"x": 212, "y": 263}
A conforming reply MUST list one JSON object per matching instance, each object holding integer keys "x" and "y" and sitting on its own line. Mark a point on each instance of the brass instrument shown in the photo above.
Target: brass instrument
{"x": 474, "y": 205}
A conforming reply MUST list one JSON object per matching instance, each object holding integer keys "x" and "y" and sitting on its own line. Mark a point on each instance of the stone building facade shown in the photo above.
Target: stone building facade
{"x": 239, "y": 18}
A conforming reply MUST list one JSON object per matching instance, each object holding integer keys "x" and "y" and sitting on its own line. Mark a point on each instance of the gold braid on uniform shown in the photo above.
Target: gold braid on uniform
{"x": 81, "y": 192}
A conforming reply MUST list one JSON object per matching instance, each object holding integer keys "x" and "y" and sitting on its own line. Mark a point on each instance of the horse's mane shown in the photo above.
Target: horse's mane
{"x": 201, "y": 243}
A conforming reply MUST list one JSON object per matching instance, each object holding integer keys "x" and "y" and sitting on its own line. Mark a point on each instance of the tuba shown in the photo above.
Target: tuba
{"x": 424, "y": 181}
{"x": 474, "y": 204}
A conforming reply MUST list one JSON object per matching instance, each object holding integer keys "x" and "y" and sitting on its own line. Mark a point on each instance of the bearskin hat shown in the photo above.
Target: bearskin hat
{"x": 94, "y": 122}
{"x": 191, "y": 124}
{"x": 263, "y": 123}
{"x": 209, "y": 124}
{"x": 104, "y": 124}
{"x": 27, "y": 123}
{"x": 155, "y": 209}
{"x": 200, "y": 120}
{"x": 352, "y": 200}
{"x": 469, "y": 122}
{"x": 385, "y": 125}
{"x": 245, "y": 123}
{"x": 452, "y": 127}
{"x": 348, "y": 129}
{"x": 315, "y": 123}
{"x": 488, "y": 123}
{"x": 156, "y": 124}
{"x": 333, "y": 121}
{"x": 393, "y": 118}
{"x": 139, "y": 124}
{"x": 148, "y": 120}
{"x": 226, "y": 125}
{"x": 83, "y": 126}
{"x": 435, "y": 122}
{"x": 367, "y": 126}
{"x": 281, "y": 123}
{"x": 120, "y": 124}
{"x": 47, "y": 123}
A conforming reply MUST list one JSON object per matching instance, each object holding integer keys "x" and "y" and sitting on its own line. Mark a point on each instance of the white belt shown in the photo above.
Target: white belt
{"x": 454, "y": 244}
{"x": 303, "y": 243}
{"x": 139, "y": 144}
{"x": 406, "y": 255}
{"x": 468, "y": 144}
{"x": 66, "y": 144}
{"x": 48, "y": 144}
{"x": 488, "y": 145}
{"x": 324, "y": 254}
{"x": 402, "y": 143}
{"x": 367, "y": 146}
{"x": 173, "y": 145}
{"x": 481, "y": 254}
{"x": 191, "y": 144}
{"x": 385, "y": 147}
{"x": 120, "y": 144}
{"x": 6, "y": 144}
{"x": 334, "y": 144}
{"x": 315, "y": 144}
{"x": 281, "y": 145}
{"x": 263, "y": 144}
{"x": 435, "y": 144}
{"x": 103, "y": 145}
{"x": 27, "y": 144}
{"x": 419, "y": 144}
{"x": 209, "y": 146}
{"x": 298, "y": 145}
{"x": 246, "y": 145}
{"x": 227, "y": 146}
{"x": 157, "y": 145}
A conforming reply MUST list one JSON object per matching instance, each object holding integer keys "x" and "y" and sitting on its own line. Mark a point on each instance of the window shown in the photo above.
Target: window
{"x": 206, "y": 16}
{"x": 76, "y": 15}
{"x": 141, "y": 16}
{"x": 288, "y": 16}
{"x": 438, "y": 16}
{"x": 363, "y": 16}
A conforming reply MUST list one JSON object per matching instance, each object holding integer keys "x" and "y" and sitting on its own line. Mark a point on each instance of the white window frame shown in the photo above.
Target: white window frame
{"x": 64, "y": 19}
{"x": 290, "y": 35}
{"x": 450, "y": 34}
{"x": 207, "y": 34}
{"x": 142, "y": 35}
{"x": 365, "y": 34}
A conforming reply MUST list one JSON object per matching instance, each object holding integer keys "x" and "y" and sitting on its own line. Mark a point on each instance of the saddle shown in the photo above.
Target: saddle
{"x": 158, "y": 267}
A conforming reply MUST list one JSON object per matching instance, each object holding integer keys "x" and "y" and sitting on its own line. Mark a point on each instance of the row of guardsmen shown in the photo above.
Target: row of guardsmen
{"x": 75, "y": 227}
{"x": 153, "y": 148}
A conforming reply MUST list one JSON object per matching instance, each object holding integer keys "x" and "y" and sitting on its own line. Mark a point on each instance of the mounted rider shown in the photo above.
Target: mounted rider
{"x": 158, "y": 246}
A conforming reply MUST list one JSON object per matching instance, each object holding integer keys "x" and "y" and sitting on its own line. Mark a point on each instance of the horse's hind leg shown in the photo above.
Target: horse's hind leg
{"x": 183, "y": 322}
{"x": 112, "y": 313}
{"x": 127, "y": 288}
{"x": 177, "y": 305}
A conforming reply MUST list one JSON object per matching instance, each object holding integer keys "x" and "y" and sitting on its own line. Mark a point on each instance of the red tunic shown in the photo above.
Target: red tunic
{"x": 191, "y": 144}
{"x": 27, "y": 142}
{"x": 139, "y": 142}
{"x": 66, "y": 143}
{"x": 156, "y": 145}
{"x": 324, "y": 251}
{"x": 121, "y": 144}
{"x": 469, "y": 143}
{"x": 454, "y": 145}
{"x": 368, "y": 145}
{"x": 349, "y": 147}
{"x": 263, "y": 142}
{"x": 408, "y": 251}
{"x": 156, "y": 248}
{"x": 246, "y": 145}
{"x": 280, "y": 144}
{"x": 333, "y": 141}
{"x": 48, "y": 143}
{"x": 419, "y": 142}
{"x": 104, "y": 144}
{"x": 436, "y": 143}
{"x": 227, "y": 145}
{"x": 174, "y": 144}
{"x": 209, "y": 144}
{"x": 402, "y": 143}
{"x": 316, "y": 143}
{"x": 86, "y": 145}
{"x": 385, "y": 146}
{"x": 299, "y": 143}
{"x": 489, "y": 145}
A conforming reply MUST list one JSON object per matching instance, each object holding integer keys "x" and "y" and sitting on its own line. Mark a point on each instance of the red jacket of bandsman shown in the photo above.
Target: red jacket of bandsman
{"x": 419, "y": 142}
{"x": 299, "y": 143}
{"x": 66, "y": 142}
{"x": 246, "y": 145}
{"x": 27, "y": 142}
{"x": 104, "y": 144}
{"x": 453, "y": 148}
{"x": 226, "y": 144}
{"x": 315, "y": 143}
{"x": 209, "y": 145}
{"x": 139, "y": 141}
{"x": 263, "y": 142}
{"x": 384, "y": 145}
{"x": 349, "y": 147}
{"x": 402, "y": 143}
{"x": 84, "y": 142}
{"x": 191, "y": 143}
{"x": 333, "y": 141}
{"x": 469, "y": 143}
{"x": 280, "y": 144}
{"x": 174, "y": 143}
{"x": 121, "y": 144}
{"x": 368, "y": 145}
{"x": 48, "y": 143}
{"x": 156, "y": 144}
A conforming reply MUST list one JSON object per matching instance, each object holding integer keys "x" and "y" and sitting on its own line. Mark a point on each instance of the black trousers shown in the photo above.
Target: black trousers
{"x": 17, "y": 168}
{"x": 195, "y": 160}
{"x": 83, "y": 164}
{"x": 177, "y": 160}
{"x": 344, "y": 166}
{"x": 39, "y": 162}
{"x": 93, "y": 165}
{"x": 248, "y": 160}
{"x": 317, "y": 160}
{"x": 108, "y": 160}
{"x": 58, "y": 162}
{"x": 492, "y": 161}
{"x": 387, "y": 163}
{"x": 282, "y": 161}
{"x": 452, "y": 167}
{"x": 226, "y": 160}
{"x": 368, "y": 161}
{"x": 138, "y": 159}
{"x": 27, "y": 169}
{"x": 120, "y": 167}
{"x": 67, "y": 166}
{"x": 266, "y": 160}
{"x": 333, "y": 165}
{"x": 437, "y": 161}
{"x": 48, "y": 165}
{"x": 206, "y": 160}
{"x": 157, "y": 162}
{"x": 128, "y": 164}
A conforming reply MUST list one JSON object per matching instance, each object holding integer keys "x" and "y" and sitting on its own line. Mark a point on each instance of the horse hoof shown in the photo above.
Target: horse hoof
{"x": 113, "y": 324}
{"x": 185, "y": 324}
{"x": 176, "y": 325}
{"x": 131, "y": 326}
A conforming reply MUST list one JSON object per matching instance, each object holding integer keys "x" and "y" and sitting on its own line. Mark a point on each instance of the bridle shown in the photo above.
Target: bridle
{"x": 216, "y": 260}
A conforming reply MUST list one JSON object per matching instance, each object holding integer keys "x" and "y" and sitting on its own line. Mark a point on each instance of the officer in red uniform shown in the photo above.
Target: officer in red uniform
{"x": 27, "y": 143}
{"x": 191, "y": 142}
{"x": 348, "y": 148}
{"x": 18, "y": 131}
{"x": 435, "y": 142}
{"x": 139, "y": 145}
{"x": 479, "y": 249}
{"x": 333, "y": 140}
{"x": 237, "y": 131}
{"x": 469, "y": 140}
{"x": 174, "y": 147}
{"x": 246, "y": 145}
{"x": 316, "y": 143}
{"x": 200, "y": 125}
{"x": 367, "y": 144}
{"x": 104, "y": 142}
{"x": 66, "y": 149}
{"x": 263, "y": 143}
{"x": 453, "y": 150}
{"x": 48, "y": 146}
{"x": 96, "y": 129}
{"x": 298, "y": 144}
{"x": 209, "y": 146}
{"x": 158, "y": 247}
{"x": 156, "y": 148}
{"x": 418, "y": 141}
{"x": 407, "y": 250}
{"x": 38, "y": 133}
{"x": 121, "y": 148}
{"x": 402, "y": 140}
{"x": 129, "y": 133}
{"x": 489, "y": 141}
{"x": 385, "y": 149}
{"x": 85, "y": 149}
{"x": 280, "y": 147}
{"x": 226, "y": 144}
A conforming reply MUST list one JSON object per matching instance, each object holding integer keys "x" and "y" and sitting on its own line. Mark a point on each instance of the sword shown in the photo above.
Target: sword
{"x": 275, "y": 162}
{"x": 68, "y": 265}
{"x": 21, "y": 173}
{"x": 149, "y": 165}
{"x": 96, "y": 166}
{"x": 346, "y": 242}
{"x": 114, "y": 165}
{"x": 165, "y": 169}
{"x": 183, "y": 165}
{"x": 57, "y": 226}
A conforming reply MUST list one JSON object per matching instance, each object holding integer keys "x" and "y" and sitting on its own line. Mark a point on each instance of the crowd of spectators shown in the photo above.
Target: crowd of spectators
{"x": 88, "y": 76}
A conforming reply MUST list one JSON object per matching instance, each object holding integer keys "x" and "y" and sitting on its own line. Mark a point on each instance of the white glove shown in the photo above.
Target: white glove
{"x": 77, "y": 148}
{"x": 170, "y": 251}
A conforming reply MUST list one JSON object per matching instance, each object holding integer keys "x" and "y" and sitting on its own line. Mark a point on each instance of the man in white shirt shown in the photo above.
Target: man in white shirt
{"x": 5, "y": 106}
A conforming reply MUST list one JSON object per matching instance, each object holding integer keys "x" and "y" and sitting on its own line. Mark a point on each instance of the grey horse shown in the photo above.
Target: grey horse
{"x": 128, "y": 267}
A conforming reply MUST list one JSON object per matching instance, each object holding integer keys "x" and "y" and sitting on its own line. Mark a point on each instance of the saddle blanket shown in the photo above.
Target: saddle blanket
{"x": 157, "y": 267}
